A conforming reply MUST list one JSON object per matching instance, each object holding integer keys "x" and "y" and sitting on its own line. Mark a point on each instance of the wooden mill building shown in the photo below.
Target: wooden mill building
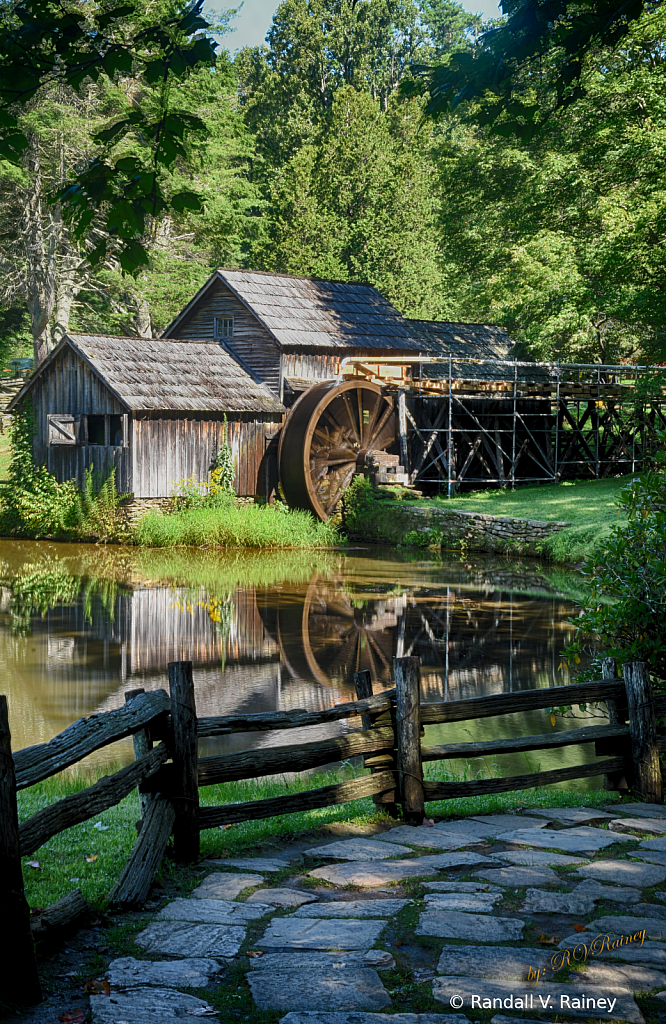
{"x": 244, "y": 348}
{"x": 289, "y": 332}
{"x": 153, "y": 410}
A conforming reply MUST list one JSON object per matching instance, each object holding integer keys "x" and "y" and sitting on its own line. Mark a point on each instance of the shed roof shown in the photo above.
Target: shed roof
{"x": 463, "y": 341}
{"x": 149, "y": 374}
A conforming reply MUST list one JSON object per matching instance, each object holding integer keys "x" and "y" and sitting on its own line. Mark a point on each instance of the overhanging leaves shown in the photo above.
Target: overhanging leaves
{"x": 45, "y": 41}
{"x": 536, "y": 56}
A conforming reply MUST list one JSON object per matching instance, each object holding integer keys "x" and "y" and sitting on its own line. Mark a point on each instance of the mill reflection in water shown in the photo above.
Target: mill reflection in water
{"x": 483, "y": 627}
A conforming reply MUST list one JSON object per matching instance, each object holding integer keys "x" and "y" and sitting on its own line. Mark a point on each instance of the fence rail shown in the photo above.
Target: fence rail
{"x": 169, "y": 774}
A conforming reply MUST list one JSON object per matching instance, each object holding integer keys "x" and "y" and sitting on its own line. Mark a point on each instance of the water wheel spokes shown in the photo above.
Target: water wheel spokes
{"x": 328, "y": 432}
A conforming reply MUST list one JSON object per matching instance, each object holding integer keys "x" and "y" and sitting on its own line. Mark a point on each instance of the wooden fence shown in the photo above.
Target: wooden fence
{"x": 168, "y": 773}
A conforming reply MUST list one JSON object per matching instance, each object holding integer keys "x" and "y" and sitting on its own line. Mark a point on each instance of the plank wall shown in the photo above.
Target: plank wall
{"x": 251, "y": 342}
{"x": 170, "y": 449}
{"x": 310, "y": 365}
{"x": 67, "y": 385}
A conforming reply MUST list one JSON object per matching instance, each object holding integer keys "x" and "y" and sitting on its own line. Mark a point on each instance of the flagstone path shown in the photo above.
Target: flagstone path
{"x": 470, "y": 909}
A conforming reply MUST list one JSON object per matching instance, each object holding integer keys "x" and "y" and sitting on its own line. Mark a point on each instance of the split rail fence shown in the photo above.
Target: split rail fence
{"x": 168, "y": 773}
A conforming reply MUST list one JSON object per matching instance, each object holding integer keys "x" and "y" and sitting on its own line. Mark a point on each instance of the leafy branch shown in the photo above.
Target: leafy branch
{"x": 43, "y": 42}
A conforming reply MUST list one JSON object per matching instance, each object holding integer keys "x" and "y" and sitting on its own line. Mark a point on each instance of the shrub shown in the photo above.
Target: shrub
{"x": 630, "y": 568}
{"x": 34, "y": 504}
{"x": 100, "y": 516}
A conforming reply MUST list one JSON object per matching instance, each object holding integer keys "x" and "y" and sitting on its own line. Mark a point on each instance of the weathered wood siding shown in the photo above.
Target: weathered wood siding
{"x": 324, "y": 365}
{"x": 168, "y": 450}
{"x": 67, "y": 385}
{"x": 251, "y": 342}
{"x": 310, "y": 365}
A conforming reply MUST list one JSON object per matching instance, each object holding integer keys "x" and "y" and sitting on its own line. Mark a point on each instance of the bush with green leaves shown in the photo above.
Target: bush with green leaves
{"x": 630, "y": 569}
{"x": 35, "y": 504}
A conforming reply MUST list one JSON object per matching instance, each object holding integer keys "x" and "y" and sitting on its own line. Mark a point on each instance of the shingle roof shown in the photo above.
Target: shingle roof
{"x": 464, "y": 341}
{"x": 151, "y": 374}
{"x": 304, "y": 312}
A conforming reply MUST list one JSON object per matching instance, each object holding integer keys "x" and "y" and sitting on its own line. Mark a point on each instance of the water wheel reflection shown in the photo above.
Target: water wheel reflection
{"x": 468, "y": 642}
{"x": 328, "y": 633}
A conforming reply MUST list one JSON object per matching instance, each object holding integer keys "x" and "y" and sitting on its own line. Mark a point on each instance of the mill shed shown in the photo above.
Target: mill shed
{"x": 292, "y": 331}
{"x": 152, "y": 410}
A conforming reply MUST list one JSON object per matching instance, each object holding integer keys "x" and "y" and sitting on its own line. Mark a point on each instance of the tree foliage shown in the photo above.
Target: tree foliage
{"x": 46, "y": 44}
{"x": 631, "y": 570}
{"x": 561, "y": 238}
{"x": 531, "y": 63}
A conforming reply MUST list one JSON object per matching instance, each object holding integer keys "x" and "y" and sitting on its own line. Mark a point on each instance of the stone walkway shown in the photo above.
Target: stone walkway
{"x": 473, "y": 909}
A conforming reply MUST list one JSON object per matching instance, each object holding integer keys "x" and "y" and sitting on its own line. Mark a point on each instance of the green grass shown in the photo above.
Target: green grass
{"x": 578, "y": 502}
{"x": 65, "y": 861}
{"x": 245, "y": 526}
{"x": 589, "y": 507}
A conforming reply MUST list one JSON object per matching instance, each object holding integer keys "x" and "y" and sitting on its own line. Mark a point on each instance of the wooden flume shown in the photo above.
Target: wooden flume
{"x": 449, "y": 423}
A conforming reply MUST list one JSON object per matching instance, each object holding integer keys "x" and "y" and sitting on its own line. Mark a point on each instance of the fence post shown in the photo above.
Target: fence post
{"x": 642, "y": 726}
{"x": 614, "y": 781}
{"x": 408, "y": 718}
{"x": 142, "y": 745}
{"x": 185, "y": 792}
{"x": 19, "y": 981}
{"x": 377, "y": 762}
{"x": 609, "y": 671}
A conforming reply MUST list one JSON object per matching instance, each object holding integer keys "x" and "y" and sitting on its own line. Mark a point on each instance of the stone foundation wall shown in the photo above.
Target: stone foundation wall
{"x": 396, "y": 521}
{"x": 134, "y": 508}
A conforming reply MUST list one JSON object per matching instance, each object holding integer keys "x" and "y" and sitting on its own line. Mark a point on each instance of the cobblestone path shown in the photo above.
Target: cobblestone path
{"x": 490, "y": 913}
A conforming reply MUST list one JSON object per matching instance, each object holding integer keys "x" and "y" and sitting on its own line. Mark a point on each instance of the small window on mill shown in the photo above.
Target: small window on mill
{"x": 224, "y": 327}
{"x": 96, "y": 430}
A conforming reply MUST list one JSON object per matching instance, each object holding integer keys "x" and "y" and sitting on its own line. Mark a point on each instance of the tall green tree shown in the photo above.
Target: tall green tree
{"x": 359, "y": 204}
{"x": 561, "y": 238}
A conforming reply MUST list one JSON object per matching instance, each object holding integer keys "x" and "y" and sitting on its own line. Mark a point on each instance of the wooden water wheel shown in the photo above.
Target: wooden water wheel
{"x": 330, "y": 433}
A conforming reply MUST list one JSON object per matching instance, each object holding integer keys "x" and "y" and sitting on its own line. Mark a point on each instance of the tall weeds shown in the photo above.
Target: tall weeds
{"x": 228, "y": 525}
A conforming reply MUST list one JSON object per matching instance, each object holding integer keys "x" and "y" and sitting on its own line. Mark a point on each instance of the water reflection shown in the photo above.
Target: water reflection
{"x": 265, "y": 632}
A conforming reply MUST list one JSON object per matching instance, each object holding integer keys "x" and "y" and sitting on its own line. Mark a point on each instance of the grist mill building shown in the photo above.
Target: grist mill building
{"x": 245, "y": 347}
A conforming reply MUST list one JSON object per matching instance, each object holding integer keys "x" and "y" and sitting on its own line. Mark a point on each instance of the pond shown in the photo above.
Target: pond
{"x": 271, "y": 631}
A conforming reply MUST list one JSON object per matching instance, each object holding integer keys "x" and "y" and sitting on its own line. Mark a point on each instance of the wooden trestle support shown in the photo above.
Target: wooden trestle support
{"x": 443, "y": 424}
{"x": 482, "y": 422}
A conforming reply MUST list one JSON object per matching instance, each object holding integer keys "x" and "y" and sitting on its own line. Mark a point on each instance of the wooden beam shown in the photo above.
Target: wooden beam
{"x": 55, "y": 920}
{"x": 249, "y": 764}
{"x": 134, "y": 884}
{"x": 327, "y": 796}
{"x": 78, "y": 807}
{"x": 19, "y": 981}
{"x": 185, "y": 793}
{"x": 643, "y": 728}
{"x": 481, "y": 787}
{"x": 85, "y": 736}
{"x": 295, "y": 719}
{"x": 511, "y": 703}
{"x": 542, "y": 741}
{"x": 407, "y": 672}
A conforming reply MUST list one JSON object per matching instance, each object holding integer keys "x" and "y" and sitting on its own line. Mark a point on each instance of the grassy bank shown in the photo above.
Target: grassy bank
{"x": 248, "y": 526}
{"x": 91, "y": 856}
{"x": 589, "y": 507}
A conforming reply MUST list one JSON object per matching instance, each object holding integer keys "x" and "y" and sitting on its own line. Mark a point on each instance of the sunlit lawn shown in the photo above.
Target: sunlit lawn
{"x": 578, "y": 502}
